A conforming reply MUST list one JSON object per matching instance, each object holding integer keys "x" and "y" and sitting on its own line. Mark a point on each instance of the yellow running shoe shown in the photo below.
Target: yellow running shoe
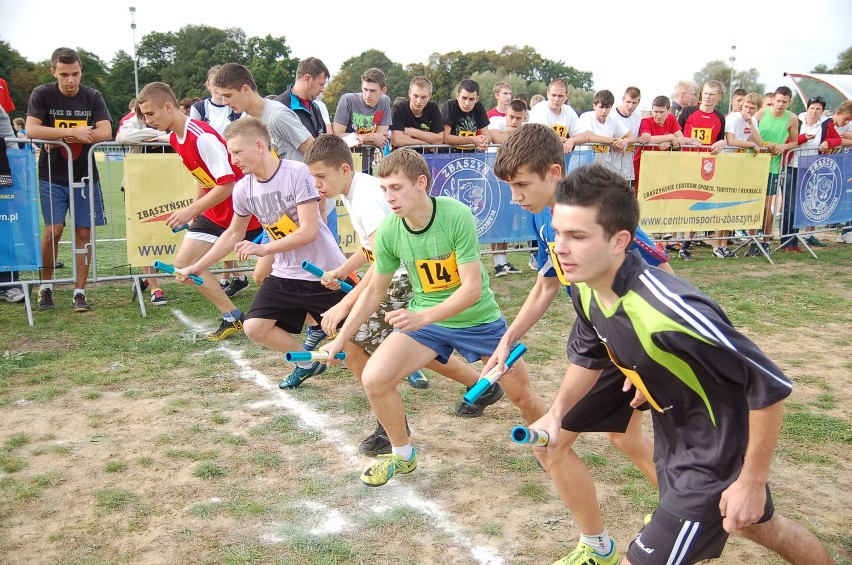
{"x": 390, "y": 465}
{"x": 226, "y": 329}
{"x": 586, "y": 555}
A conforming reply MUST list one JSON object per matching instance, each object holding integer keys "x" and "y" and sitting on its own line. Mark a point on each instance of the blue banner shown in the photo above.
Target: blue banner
{"x": 470, "y": 178}
{"x": 20, "y": 247}
{"x": 824, "y": 190}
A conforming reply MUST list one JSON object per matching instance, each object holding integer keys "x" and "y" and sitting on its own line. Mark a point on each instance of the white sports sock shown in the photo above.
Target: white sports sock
{"x": 601, "y": 543}
{"x": 406, "y": 451}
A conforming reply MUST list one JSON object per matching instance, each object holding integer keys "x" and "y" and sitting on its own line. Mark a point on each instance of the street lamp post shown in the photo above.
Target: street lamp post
{"x": 135, "y": 64}
{"x": 731, "y": 85}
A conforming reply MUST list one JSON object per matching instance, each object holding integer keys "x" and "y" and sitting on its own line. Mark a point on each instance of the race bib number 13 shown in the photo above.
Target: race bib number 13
{"x": 704, "y": 135}
{"x": 438, "y": 274}
{"x": 284, "y": 226}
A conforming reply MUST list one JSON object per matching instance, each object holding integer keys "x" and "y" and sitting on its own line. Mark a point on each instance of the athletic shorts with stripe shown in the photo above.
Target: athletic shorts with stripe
{"x": 678, "y": 541}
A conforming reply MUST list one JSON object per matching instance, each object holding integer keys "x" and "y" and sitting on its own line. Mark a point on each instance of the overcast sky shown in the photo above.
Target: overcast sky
{"x": 622, "y": 42}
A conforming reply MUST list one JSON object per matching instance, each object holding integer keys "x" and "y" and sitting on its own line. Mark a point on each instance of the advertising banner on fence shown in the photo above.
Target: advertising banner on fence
{"x": 470, "y": 178}
{"x": 823, "y": 190}
{"x": 693, "y": 191}
{"x": 155, "y": 185}
{"x": 20, "y": 247}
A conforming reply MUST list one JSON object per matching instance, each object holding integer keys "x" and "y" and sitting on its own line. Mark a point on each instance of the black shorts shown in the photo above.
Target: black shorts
{"x": 287, "y": 301}
{"x": 605, "y": 408}
{"x": 669, "y": 539}
{"x": 203, "y": 224}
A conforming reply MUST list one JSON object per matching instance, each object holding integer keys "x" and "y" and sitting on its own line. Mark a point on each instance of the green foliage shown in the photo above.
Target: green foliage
{"x": 842, "y": 67}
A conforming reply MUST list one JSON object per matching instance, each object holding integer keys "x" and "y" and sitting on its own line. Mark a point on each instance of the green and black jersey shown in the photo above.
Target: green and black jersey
{"x": 700, "y": 375}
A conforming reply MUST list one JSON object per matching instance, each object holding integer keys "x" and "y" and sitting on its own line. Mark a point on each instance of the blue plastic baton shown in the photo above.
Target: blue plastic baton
{"x": 319, "y": 355}
{"x": 493, "y": 375}
{"x": 530, "y": 436}
{"x": 166, "y": 268}
{"x": 317, "y": 272}
{"x": 183, "y": 227}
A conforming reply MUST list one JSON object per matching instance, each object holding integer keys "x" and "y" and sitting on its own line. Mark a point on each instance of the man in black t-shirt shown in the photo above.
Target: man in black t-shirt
{"x": 417, "y": 121}
{"x": 465, "y": 119}
{"x": 67, "y": 111}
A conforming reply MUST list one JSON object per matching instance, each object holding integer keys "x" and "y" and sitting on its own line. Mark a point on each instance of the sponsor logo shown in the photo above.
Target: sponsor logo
{"x": 470, "y": 180}
{"x": 821, "y": 189}
{"x": 642, "y": 546}
{"x": 708, "y": 167}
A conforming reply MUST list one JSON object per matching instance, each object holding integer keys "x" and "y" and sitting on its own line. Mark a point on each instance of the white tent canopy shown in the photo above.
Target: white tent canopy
{"x": 835, "y": 89}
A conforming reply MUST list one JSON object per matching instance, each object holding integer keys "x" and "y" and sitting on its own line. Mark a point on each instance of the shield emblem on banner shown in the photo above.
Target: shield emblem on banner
{"x": 708, "y": 167}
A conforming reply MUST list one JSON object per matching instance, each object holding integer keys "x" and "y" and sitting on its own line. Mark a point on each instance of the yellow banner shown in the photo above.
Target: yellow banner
{"x": 695, "y": 191}
{"x": 155, "y": 185}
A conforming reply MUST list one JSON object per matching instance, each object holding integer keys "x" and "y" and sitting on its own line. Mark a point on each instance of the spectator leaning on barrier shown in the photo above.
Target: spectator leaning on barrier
{"x": 417, "y": 121}
{"x": 662, "y": 129}
{"x": 367, "y": 114}
{"x": 779, "y": 128}
{"x": 609, "y": 135}
{"x": 67, "y": 111}
{"x": 741, "y": 130}
{"x": 626, "y": 114}
{"x": 684, "y": 96}
{"x": 303, "y": 95}
{"x": 465, "y": 119}
{"x": 706, "y": 124}
{"x": 842, "y": 124}
{"x": 559, "y": 115}
{"x": 501, "y": 127}
{"x": 503, "y": 95}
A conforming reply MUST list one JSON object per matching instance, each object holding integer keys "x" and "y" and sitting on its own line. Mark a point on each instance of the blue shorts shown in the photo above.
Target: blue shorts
{"x": 472, "y": 343}
{"x": 55, "y": 203}
{"x": 332, "y": 224}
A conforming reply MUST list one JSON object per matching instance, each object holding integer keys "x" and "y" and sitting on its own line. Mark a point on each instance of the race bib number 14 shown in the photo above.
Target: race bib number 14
{"x": 438, "y": 274}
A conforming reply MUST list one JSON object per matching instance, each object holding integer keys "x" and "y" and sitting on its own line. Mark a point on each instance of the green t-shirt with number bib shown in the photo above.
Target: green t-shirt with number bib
{"x": 431, "y": 256}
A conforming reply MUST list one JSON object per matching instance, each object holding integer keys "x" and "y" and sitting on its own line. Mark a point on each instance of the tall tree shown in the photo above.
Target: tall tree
{"x": 196, "y": 49}
{"x": 17, "y": 71}
{"x": 270, "y": 64}
{"x": 746, "y": 79}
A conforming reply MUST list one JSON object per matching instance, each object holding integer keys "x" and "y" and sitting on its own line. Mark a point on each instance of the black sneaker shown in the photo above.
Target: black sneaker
{"x": 510, "y": 269}
{"x": 753, "y": 251}
{"x": 685, "y": 254}
{"x": 80, "y": 304}
{"x": 500, "y": 271}
{"x": 45, "y": 299}
{"x": 235, "y": 285}
{"x": 489, "y": 397}
{"x": 143, "y": 284}
{"x": 378, "y": 443}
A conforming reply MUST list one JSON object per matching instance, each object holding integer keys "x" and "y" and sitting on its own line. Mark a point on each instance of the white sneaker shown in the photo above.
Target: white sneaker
{"x": 13, "y": 294}
{"x": 845, "y": 237}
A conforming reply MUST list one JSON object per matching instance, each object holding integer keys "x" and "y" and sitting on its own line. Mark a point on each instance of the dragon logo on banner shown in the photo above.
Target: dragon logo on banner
{"x": 471, "y": 180}
{"x": 822, "y": 183}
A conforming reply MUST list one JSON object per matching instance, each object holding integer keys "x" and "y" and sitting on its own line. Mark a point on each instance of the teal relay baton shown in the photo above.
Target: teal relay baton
{"x": 166, "y": 268}
{"x": 493, "y": 375}
{"x": 317, "y": 272}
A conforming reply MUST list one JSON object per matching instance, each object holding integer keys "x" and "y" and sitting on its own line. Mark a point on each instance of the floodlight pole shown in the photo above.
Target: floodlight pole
{"x": 731, "y": 85}
{"x": 135, "y": 64}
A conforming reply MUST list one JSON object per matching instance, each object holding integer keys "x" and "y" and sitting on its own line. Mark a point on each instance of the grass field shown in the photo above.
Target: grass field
{"x": 134, "y": 440}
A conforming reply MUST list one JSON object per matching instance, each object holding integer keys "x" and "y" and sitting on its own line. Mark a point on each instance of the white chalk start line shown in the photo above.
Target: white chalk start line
{"x": 335, "y": 522}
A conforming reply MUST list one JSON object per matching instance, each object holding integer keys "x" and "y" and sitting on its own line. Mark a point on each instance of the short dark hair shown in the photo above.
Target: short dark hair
{"x": 661, "y": 102}
{"x": 375, "y": 75}
{"x": 533, "y": 146}
{"x": 595, "y": 186}
{"x": 605, "y": 98}
{"x": 64, "y": 55}
{"x": 329, "y": 149}
{"x": 234, "y": 75}
{"x": 470, "y": 85}
{"x": 313, "y": 67}
{"x": 518, "y": 105}
{"x": 740, "y": 92}
{"x": 784, "y": 91}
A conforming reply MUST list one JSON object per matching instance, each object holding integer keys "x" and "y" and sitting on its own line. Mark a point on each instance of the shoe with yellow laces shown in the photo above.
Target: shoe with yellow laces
{"x": 390, "y": 465}
{"x": 586, "y": 555}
